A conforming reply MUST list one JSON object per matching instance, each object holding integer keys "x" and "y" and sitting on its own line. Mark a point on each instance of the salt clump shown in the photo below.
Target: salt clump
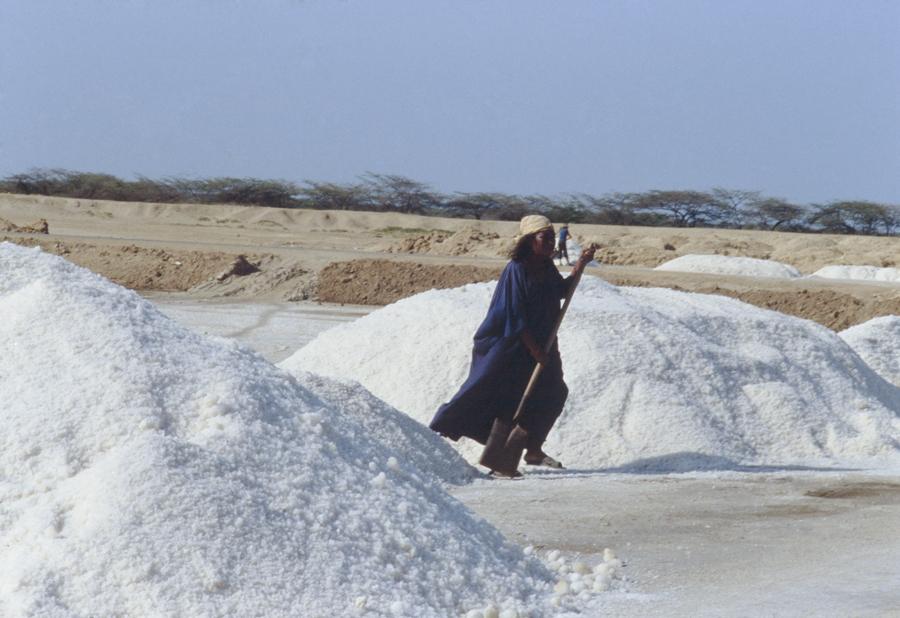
{"x": 730, "y": 265}
{"x": 659, "y": 379}
{"x": 878, "y": 343}
{"x": 147, "y": 470}
{"x": 859, "y": 273}
{"x": 418, "y": 448}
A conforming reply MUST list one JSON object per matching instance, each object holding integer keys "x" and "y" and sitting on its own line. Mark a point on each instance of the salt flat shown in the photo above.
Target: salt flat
{"x": 756, "y": 541}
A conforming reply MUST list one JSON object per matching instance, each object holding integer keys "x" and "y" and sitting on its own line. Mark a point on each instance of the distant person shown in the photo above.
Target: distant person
{"x": 510, "y": 341}
{"x": 562, "y": 251}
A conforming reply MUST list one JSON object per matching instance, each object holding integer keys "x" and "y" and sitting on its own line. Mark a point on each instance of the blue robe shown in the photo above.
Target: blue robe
{"x": 501, "y": 364}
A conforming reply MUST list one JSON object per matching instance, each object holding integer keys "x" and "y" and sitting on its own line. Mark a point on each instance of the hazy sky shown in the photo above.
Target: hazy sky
{"x": 796, "y": 99}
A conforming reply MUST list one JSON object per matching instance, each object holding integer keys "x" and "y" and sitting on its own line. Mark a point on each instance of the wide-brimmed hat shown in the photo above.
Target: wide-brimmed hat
{"x": 532, "y": 224}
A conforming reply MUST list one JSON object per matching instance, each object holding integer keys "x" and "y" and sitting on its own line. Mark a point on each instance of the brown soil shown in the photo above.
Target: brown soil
{"x": 467, "y": 241}
{"x": 38, "y": 227}
{"x": 380, "y": 282}
{"x": 837, "y": 309}
{"x": 378, "y": 258}
{"x": 136, "y": 267}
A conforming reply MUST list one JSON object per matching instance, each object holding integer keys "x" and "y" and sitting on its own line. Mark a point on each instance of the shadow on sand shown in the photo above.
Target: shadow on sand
{"x": 674, "y": 463}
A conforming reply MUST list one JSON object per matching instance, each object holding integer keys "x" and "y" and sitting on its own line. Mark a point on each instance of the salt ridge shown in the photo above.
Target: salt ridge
{"x": 658, "y": 379}
{"x": 859, "y": 273}
{"x": 147, "y": 470}
{"x": 730, "y": 265}
{"x": 876, "y": 343}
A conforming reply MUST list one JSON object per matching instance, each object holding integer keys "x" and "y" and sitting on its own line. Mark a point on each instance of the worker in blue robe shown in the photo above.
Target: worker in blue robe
{"x": 510, "y": 341}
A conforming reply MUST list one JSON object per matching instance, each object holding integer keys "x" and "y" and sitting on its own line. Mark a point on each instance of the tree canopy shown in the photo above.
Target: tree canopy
{"x": 718, "y": 207}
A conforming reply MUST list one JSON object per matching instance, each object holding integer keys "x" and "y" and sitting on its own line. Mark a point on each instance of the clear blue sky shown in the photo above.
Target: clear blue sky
{"x": 797, "y": 99}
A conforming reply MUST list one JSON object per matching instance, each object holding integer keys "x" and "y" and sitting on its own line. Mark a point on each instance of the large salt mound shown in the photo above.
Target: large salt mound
{"x": 419, "y": 448}
{"x": 659, "y": 377}
{"x": 730, "y": 265}
{"x": 878, "y": 343}
{"x": 859, "y": 273}
{"x": 146, "y": 470}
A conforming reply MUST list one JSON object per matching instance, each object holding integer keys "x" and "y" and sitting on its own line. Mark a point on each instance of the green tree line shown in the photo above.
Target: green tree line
{"x": 717, "y": 207}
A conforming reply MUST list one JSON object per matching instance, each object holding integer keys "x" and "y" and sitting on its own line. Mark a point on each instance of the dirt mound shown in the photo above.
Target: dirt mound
{"x": 380, "y": 282}
{"x": 467, "y": 241}
{"x": 834, "y": 309}
{"x": 241, "y": 267}
{"x": 268, "y": 276}
{"x": 203, "y": 273}
{"x": 140, "y": 268}
{"x": 38, "y": 227}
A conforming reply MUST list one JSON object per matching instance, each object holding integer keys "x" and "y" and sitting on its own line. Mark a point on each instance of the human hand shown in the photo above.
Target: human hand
{"x": 540, "y": 356}
{"x": 586, "y": 256}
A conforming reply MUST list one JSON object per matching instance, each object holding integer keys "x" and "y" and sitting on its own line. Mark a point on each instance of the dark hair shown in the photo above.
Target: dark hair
{"x": 522, "y": 248}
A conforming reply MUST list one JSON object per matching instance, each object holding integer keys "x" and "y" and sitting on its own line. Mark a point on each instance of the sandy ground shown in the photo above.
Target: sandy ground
{"x": 752, "y": 542}
{"x": 377, "y": 258}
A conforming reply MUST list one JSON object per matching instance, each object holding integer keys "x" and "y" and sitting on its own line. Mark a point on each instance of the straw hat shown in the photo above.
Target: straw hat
{"x": 532, "y": 224}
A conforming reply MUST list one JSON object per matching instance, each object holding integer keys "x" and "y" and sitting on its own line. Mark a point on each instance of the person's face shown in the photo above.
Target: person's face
{"x": 542, "y": 243}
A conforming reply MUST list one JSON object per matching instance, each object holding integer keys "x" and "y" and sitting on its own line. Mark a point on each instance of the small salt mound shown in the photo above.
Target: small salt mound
{"x": 419, "y": 448}
{"x": 654, "y": 375}
{"x": 878, "y": 343}
{"x": 147, "y": 470}
{"x": 859, "y": 273}
{"x": 730, "y": 265}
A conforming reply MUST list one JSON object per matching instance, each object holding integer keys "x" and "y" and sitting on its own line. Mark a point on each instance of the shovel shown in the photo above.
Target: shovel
{"x": 507, "y": 440}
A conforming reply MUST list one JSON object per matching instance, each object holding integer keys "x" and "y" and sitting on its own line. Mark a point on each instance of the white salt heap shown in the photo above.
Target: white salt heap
{"x": 730, "y": 265}
{"x": 418, "y": 448}
{"x": 658, "y": 379}
{"x": 859, "y": 273}
{"x": 878, "y": 343}
{"x": 146, "y": 470}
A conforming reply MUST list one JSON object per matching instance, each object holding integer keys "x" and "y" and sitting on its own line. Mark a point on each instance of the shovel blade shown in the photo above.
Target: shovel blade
{"x": 504, "y": 448}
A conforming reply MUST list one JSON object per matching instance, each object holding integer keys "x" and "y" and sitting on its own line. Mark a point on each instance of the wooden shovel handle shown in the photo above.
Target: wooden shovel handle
{"x": 550, "y": 340}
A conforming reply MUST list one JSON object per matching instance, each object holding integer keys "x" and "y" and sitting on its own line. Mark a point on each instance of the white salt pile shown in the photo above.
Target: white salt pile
{"x": 878, "y": 343}
{"x": 859, "y": 273}
{"x": 658, "y": 378}
{"x": 146, "y": 470}
{"x": 417, "y": 447}
{"x": 730, "y": 265}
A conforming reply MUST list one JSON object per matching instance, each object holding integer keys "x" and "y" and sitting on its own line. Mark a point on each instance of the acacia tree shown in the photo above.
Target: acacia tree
{"x": 393, "y": 192}
{"x": 772, "y": 213}
{"x": 331, "y": 196}
{"x": 477, "y": 205}
{"x": 512, "y": 207}
{"x": 683, "y": 208}
{"x": 853, "y": 217}
{"x": 36, "y": 181}
{"x": 148, "y": 190}
{"x": 610, "y": 209}
{"x": 567, "y": 209}
{"x": 869, "y": 217}
{"x": 738, "y": 202}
